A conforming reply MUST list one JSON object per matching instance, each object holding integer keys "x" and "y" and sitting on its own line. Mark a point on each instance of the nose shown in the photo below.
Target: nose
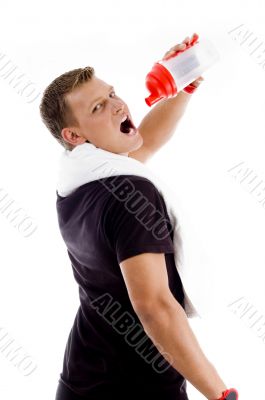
{"x": 118, "y": 107}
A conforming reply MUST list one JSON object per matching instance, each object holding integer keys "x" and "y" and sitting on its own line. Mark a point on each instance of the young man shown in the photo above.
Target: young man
{"x": 118, "y": 264}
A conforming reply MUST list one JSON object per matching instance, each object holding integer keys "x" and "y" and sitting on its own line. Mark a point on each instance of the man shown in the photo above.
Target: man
{"x": 117, "y": 263}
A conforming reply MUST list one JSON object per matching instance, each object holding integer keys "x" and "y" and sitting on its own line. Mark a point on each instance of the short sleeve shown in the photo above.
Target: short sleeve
{"x": 136, "y": 220}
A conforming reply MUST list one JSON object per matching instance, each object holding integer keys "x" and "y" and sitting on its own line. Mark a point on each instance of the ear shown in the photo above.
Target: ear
{"x": 71, "y": 136}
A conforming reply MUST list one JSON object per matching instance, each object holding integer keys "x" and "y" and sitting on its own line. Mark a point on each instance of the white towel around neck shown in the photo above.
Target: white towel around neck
{"x": 87, "y": 163}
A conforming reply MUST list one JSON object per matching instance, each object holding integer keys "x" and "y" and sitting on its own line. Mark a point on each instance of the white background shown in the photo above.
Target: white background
{"x": 222, "y": 127}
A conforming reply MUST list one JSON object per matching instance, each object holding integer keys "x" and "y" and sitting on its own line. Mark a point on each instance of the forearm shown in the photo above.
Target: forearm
{"x": 159, "y": 124}
{"x": 168, "y": 326}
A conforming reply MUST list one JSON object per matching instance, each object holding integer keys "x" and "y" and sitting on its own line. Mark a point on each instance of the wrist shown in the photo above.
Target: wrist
{"x": 228, "y": 394}
{"x": 217, "y": 391}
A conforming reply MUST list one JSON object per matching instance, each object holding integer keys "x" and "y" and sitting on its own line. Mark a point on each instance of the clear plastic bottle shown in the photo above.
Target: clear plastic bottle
{"x": 170, "y": 75}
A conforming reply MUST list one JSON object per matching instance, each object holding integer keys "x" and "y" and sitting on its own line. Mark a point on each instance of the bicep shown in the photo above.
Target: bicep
{"x": 146, "y": 279}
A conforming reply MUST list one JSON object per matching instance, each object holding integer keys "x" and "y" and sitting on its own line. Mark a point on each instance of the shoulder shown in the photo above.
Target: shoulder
{"x": 131, "y": 195}
{"x": 124, "y": 186}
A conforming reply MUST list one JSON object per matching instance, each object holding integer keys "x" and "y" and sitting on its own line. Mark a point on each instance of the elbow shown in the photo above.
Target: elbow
{"x": 151, "y": 310}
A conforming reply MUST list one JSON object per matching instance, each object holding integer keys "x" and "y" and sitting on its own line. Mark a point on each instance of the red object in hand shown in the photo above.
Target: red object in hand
{"x": 160, "y": 81}
{"x": 229, "y": 394}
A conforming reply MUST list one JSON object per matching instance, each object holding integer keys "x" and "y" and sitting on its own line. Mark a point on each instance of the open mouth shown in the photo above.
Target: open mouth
{"x": 127, "y": 126}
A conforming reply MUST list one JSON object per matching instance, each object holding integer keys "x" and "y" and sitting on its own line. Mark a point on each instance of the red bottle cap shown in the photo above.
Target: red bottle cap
{"x": 160, "y": 84}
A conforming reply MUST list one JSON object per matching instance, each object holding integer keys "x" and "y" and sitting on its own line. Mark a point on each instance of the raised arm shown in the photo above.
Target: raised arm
{"x": 160, "y": 123}
{"x": 158, "y": 126}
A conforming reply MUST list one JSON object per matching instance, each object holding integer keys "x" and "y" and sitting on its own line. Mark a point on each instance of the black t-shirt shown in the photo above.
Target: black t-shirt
{"x": 103, "y": 222}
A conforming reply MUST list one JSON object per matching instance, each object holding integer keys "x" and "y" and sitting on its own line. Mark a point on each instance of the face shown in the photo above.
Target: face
{"x": 100, "y": 112}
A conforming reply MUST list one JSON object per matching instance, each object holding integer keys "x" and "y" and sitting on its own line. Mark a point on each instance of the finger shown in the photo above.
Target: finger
{"x": 174, "y": 50}
{"x": 195, "y": 38}
{"x": 180, "y": 46}
{"x": 186, "y": 40}
{"x": 197, "y": 82}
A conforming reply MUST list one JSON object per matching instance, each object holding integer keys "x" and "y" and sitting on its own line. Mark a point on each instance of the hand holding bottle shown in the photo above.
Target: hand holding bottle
{"x": 180, "y": 69}
{"x": 184, "y": 45}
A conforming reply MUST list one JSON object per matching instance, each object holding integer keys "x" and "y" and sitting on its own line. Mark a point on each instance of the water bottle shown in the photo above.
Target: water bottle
{"x": 170, "y": 75}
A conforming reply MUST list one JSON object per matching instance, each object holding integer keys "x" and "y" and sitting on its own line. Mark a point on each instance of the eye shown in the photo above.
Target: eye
{"x": 99, "y": 104}
{"x": 95, "y": 109}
